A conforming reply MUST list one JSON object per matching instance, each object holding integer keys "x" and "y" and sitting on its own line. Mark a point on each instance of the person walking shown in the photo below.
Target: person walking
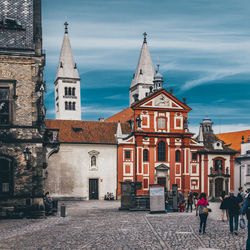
{"x": 245, "y": 210}
{"x": 202, "y": 209}
{"x": 189, "y": 201}
{"x": 223, "y": 206}
{"x": 233, "y": 207}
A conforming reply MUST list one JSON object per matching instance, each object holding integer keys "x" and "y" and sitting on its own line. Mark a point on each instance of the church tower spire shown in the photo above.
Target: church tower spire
{"x": 67, "y": 83}
{"x": 144, "y": 74}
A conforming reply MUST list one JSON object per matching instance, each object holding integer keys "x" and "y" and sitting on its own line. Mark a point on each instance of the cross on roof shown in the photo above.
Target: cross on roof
{"x": 145, "y": 37}
{"x": 66, "y": 27}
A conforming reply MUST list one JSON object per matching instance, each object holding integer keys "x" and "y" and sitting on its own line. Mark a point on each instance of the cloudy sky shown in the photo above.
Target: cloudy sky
{"x": 203, "y": 46}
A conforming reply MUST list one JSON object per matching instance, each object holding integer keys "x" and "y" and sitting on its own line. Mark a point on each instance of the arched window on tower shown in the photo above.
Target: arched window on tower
{"x": 74, "y": 91}
{"x": 70, "y": 107}
{"x": 69, "y": 91}
{"x": 177, "y": 156}
{"x": 74, "y": 106}
{"x": 145, "y": 155}
{"x": 65, "y": 91}
{"x": 66, "y": 106}
{"x": 161, "y": 151}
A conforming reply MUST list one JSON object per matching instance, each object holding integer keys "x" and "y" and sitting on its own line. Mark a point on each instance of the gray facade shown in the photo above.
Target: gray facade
{"x": 22, "y": 111}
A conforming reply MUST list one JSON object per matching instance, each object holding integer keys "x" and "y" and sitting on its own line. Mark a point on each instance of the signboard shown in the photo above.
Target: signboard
{"x": 157, "y": 198}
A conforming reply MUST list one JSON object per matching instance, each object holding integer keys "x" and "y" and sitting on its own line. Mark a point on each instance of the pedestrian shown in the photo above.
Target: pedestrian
{"x": 241, "y": 195}
{"x": 233, "y": 207}
{"x": 181, "y": 202}
{"x": 202, "y": 209}
{"x": 245, "y": 210}
{"x": 189, "y": 201}
{"x": 223, "y": 206}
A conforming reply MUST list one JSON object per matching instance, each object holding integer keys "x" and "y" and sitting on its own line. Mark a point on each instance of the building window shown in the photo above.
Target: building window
{"x": 93, "y": 161}
{"x": 73, "y": 91}
{"x": 74, "y": 106}
{"x": 161, "y": 151}
{"x": 194, "y": 156}
{"x": 4, "y": 106}
{"x": 127, "y": 154}
{"x": 145, "y": 155}
{"x": 5, "y": 177}
{"x": 161, "y": 123}
{"x": 218, "y": 165}
{"x": 70, "y": 107}
{"x": 66, "y": 106}
{"x": 57, "y": 107}
{"x": 248, "y": 169}
{"x": 177, "y": 156}
{"x": 69, "y": 91}
{"x": 65, "y": 91}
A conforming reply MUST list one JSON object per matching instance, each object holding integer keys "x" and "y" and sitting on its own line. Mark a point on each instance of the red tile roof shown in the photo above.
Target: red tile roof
{"x": 234, "y": 138}
{"x": 123, "y": 116}
{"x": 87, "y": 131}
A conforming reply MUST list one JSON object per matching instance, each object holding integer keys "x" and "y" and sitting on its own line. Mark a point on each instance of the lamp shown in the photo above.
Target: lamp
{"x": 27, "y": 156}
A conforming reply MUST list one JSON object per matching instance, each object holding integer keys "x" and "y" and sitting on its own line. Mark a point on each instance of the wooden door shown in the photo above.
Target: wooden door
{"x": 218, "y": 187}
{"x": 93, "y": 189}
{"x": 161, "y": 181}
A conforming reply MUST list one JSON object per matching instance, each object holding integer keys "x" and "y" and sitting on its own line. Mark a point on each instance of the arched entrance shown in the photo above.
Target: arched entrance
{"x": 218, "y": 186}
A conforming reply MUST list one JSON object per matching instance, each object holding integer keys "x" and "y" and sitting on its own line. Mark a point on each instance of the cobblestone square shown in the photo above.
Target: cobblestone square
{"x": 100, "y": 225}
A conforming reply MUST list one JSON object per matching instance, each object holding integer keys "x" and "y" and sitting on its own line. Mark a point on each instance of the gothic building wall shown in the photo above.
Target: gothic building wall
{"x": 22, "y": 109}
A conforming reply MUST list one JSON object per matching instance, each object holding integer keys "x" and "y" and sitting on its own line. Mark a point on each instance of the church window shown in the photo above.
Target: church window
{"x": 145, "y": 155}
{"x": 5, "y": 177}
{"x": 69, "y": 90}
{"x": 127, "y": 154}
{"x": 70, "y": 107}
{"x": 57, "y": 106}
{"x": 74, "y": 91}
{"x": 66, "y": 106}
{"x": 74, "y": 106}
{"x": 161, "y": 151}
{"x": 65, "y": 91}
{"x": 161, "y": 123}
{"x": 177, "y": 156}
{"x": 194, "y": 156}
{"x": 5, "y": 105}
{"x": 93, "y": 161}
{"x": 248, "y": 169}
{"x": 218, "y": 165}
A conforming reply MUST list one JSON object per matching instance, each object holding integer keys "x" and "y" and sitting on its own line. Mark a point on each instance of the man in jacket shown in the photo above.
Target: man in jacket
{"x": 245, "y": 209}
{"x": 233, "y": 207}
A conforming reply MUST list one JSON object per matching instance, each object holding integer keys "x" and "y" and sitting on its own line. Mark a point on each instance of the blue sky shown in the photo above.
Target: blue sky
{"x": 203, "y": 45}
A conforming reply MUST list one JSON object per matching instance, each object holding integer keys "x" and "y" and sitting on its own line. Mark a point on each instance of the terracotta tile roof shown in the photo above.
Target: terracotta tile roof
{"x": 234, "y": 138}
{"x": 86, "y": 131}
{"x": 123, "y": 116}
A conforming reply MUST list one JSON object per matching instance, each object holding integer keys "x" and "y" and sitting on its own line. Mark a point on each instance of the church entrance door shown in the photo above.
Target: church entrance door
{"x": 93, "y": 189}
{"x": 161, "y": 181}
{"x": 218, "y": 187}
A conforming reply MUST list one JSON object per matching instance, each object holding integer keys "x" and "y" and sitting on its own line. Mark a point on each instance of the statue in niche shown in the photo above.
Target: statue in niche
{"x": 93, "y": 161}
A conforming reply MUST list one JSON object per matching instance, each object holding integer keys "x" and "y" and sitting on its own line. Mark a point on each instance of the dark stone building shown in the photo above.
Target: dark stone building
{"x": 22, "y": 111}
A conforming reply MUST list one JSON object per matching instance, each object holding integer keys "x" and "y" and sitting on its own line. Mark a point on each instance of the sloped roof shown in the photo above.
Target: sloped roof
{"x": 234, "y": 138}
{"x": 86, "y": 131}
{"x": 145, "y": 68}
{"x": 123, "y": 116}
{"x": 66, "y": 66}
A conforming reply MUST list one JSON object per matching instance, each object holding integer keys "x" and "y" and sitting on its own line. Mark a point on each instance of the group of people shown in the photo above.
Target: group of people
{"x": 231, "y": 206}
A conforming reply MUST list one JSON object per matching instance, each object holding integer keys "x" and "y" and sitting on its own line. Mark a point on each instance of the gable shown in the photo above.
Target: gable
{"x": 162, "y": 101}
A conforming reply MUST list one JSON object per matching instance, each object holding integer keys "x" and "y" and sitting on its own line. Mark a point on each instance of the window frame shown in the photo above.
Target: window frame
{"x": 11, "y": 85}
{"x": 177, "y": 155}
{"x": 159, "y": 123}
{"x": 161, "y": 152}
{"x": 125, "y": 154}
{"x": 11, "y": 183}
{"x": 145, "y": 155}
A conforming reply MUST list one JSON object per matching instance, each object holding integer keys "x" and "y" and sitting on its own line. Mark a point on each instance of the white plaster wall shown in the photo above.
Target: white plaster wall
{"x": 63, "y": 114}
{"x": 69, "y": 170}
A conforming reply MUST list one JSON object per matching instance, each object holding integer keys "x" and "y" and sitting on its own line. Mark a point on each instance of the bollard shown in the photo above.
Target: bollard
{"x": 63, "y": 210}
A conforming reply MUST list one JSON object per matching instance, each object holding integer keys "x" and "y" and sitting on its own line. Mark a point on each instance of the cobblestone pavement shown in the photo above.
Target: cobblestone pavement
{"x": 99, "y": 225}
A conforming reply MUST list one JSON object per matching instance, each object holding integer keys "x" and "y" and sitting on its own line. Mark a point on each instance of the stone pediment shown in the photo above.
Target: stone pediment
{"x": 94, "y": 153}
{"x": 162, "y": 101}
{"x": 162, "y": 167}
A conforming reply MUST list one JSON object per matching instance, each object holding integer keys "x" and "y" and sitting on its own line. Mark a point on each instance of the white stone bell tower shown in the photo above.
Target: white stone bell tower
{"x": 67, "y": 84}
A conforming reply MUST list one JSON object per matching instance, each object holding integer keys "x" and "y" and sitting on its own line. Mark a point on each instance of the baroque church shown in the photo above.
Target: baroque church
{"x": 148, "y": 142}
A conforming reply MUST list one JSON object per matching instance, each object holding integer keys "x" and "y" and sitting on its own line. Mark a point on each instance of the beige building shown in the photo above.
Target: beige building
{"x": 82, "y": 159}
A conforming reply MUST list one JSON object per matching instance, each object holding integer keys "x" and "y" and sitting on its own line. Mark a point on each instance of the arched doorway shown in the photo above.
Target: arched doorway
{"x": 5, "y": 177}
{"x": 218, "y": 187}
{"x": 162, "y": 175}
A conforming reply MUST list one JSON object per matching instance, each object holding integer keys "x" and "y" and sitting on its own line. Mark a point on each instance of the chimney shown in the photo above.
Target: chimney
{"x": 101, "y": 119}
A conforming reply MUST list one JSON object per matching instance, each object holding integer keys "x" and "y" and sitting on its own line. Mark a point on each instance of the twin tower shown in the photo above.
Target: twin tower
{"x": 67, "y": 81}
